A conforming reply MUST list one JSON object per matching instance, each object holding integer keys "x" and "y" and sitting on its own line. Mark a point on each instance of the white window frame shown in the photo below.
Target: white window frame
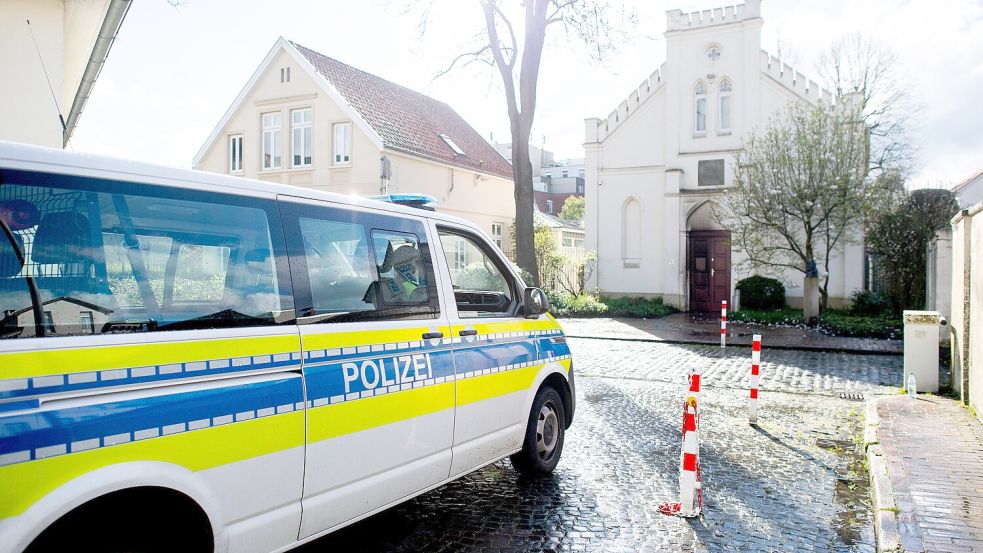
{"x": 235, "y": 154}
{"x": 305, "y": 142}
{"x": 274, "y": 131}
{"x": 460, "y": 254}
{"x": 549, "y": 207}
{"x": 725, "y": 93}
{"x": 700, "y": 102}
{"x": 341, "y": 144}
{"x": 497, "y": 232}
{"x": 87, "y": 322}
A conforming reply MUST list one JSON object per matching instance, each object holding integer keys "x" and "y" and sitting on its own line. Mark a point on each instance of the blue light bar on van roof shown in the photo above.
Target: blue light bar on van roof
{"x": 420, "y": 201}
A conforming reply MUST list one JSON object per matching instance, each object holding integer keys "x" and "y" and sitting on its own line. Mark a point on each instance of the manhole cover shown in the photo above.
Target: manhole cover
{"x": 852, "y": 395}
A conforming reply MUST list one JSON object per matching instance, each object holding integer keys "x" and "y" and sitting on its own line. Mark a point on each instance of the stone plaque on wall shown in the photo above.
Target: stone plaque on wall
{"x": 710, "y": 172}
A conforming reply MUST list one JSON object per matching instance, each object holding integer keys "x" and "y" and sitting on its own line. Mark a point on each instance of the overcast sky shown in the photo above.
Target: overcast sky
{"x": 174, "y": 71}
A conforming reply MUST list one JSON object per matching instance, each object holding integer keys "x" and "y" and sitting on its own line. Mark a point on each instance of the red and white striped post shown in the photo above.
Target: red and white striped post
{"x": 690, "y": 501}
{"x": 723, "y": 323}
{"x": 690, "y": 488}
{"x": 755, "y": 376}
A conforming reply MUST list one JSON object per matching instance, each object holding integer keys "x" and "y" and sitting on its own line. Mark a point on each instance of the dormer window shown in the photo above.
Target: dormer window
{"x": 450, "y": 143}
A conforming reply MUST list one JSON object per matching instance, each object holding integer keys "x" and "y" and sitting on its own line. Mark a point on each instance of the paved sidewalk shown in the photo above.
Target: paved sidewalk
{"x": 691, "y": 328}
{"x": 933, "y": 449}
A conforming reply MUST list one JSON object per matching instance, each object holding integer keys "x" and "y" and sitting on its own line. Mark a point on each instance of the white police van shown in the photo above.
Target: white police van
{"x": 195, "y": 362}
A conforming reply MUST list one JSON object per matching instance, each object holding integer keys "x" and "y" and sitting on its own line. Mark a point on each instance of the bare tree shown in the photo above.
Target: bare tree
{"x": 517, "y": 52}
{"x": 801, "y": 189}
{"x": 857, "y": 65}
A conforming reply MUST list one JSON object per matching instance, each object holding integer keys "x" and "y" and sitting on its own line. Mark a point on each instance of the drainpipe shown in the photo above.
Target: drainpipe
{"x": 967, "y": 220}
{"x": 100, "y": 51}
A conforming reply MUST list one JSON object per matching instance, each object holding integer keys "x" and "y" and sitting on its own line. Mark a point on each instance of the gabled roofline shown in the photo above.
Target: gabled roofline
{"x": 326, "y": 86}
{"x": 959, "y": 187}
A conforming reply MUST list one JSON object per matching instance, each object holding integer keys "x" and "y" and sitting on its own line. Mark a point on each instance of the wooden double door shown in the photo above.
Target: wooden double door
{"x": 709, "y": 269}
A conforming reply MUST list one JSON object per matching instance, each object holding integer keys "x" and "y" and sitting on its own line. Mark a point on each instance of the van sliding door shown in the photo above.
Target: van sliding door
{"x": 377, "y": 361}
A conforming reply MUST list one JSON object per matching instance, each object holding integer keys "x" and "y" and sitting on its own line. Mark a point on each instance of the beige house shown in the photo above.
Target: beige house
{"x": 53, "y": 51}
{"x": 309, "y": 120}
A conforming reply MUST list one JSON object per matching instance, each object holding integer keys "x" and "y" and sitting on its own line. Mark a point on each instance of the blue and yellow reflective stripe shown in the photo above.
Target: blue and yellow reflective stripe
{"x": 51, "y": 432}
{"x": 64, "y": 361}
{"x": 25, "y": 483}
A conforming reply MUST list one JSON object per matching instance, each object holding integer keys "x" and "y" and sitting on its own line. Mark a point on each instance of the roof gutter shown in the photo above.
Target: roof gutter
{"x": 100, "y": 51}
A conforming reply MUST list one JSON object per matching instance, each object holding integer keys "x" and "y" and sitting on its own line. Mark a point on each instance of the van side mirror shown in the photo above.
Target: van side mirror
{"x": 535, "y": 302}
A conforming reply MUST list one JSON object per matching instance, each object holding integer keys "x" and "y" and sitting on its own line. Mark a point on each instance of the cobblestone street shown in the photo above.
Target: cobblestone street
{"x": 795, "y": 483}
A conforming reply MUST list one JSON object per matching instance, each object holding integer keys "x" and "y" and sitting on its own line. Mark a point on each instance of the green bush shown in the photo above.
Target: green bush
{"x": 869, "y": 303}
{"x": 762, "y": 293}
{"x": 837, "y": 322}
{"x": 646, "y": 308}
{"x": 565, "y": 304}
{"x": 844, "y": 323}
{"x": 781, "y": 317}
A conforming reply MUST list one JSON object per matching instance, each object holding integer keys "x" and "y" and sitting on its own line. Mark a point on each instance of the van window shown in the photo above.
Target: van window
{"x": 402, "y": 277}
{"x": 354, "y": 266}
{"x": 109, "y": 257}
{"x": 481, "y": 288}
{"x": 338, "y": 265}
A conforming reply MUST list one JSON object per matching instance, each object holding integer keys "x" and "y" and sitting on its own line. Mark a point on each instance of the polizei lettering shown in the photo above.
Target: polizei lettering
{"x": 387, "y": 371}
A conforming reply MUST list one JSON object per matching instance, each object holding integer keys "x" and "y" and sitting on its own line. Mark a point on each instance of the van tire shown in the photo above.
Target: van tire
{"x": 545, "y": 431}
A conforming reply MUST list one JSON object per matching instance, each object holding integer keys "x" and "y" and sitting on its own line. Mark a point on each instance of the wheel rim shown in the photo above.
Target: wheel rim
{"x": 547, "y": 431}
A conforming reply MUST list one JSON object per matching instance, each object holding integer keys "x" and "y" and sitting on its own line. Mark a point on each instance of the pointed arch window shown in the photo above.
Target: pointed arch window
{"x": 700, "y": 109}
{"x": 726, "y": 107}
{"x": 631, "y": 233}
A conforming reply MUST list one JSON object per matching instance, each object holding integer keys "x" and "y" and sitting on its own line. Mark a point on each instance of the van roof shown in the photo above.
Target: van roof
{"x": 26, "y": 156}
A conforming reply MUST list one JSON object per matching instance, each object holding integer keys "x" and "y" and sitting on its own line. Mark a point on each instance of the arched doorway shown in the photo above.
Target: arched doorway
{"x": 708, "y": 260}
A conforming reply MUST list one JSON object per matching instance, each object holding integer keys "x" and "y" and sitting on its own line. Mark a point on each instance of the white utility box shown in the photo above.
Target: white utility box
{"x": 921, "y": 348}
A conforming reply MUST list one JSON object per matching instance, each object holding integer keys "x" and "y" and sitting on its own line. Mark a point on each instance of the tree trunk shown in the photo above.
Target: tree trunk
{"x": 525, "y": 247}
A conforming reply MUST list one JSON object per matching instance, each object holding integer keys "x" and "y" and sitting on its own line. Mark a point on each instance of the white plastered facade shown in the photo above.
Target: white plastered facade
{"x": 648, "y": 151}
{"x": 481, "y": 198}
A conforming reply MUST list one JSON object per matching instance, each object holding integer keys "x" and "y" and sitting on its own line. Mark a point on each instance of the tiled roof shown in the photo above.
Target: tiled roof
{"x": 408, "y": 121}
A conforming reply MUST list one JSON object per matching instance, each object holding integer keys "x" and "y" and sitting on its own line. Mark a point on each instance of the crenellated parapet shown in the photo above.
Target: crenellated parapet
{"x": 682, "y": 21}
{"x": 794, "y": 80}
{"x": 645, "y": 90}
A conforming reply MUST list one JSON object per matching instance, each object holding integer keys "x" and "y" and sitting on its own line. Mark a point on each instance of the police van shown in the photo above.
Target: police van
{"x": 196, "y": 362}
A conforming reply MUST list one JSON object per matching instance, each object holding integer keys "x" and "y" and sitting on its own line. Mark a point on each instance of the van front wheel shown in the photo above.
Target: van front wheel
{"x": 543, "y": 443}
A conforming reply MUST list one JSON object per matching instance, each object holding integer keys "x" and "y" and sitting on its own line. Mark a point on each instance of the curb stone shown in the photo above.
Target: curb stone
{"x": 885, "y": 508}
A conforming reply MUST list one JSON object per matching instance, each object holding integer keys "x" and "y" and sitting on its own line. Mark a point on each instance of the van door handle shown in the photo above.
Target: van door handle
{"x": 468, "y": 332}
{"x": 432, "y": 335}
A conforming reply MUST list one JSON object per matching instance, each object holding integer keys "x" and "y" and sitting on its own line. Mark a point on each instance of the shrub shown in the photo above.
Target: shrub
{"x": 565, "y": 304}
{"x": 763, "y": 293}
{"x": 869, "y": 303}
{"x": 836, "y": 322}
{"x": 781, "y": 317}
{"x": 843, "y": 323}
{"x": 647, "y": 308}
